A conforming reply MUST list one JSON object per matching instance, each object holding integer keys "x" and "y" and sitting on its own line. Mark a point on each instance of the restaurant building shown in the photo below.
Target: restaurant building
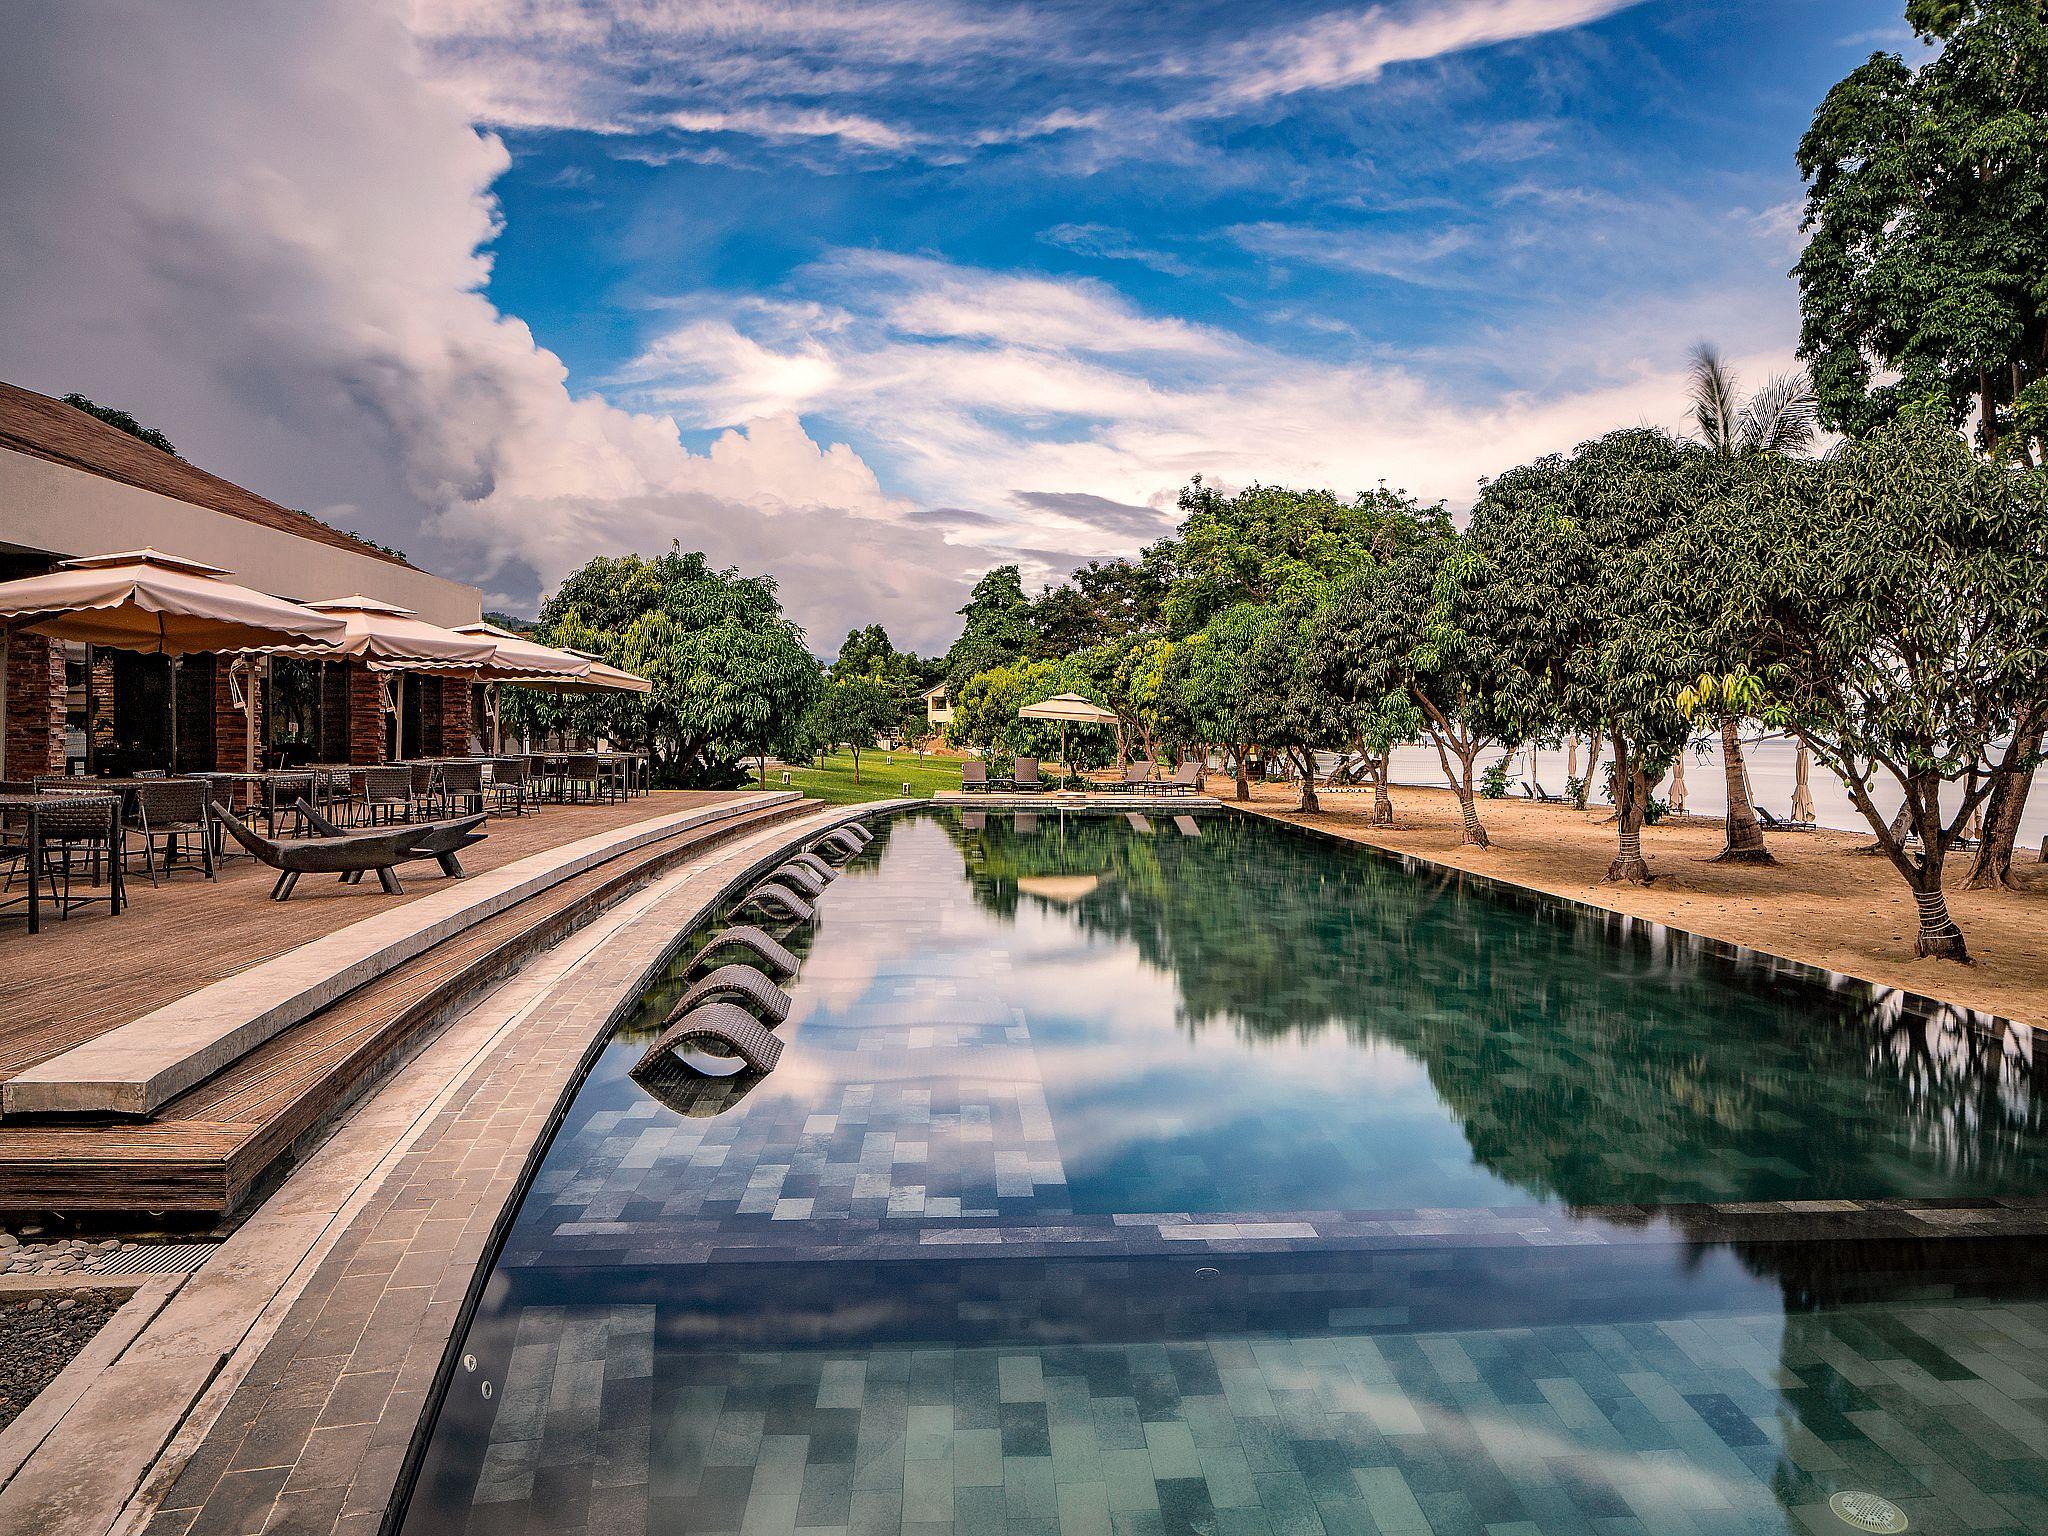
{"x": 71, "y": 485}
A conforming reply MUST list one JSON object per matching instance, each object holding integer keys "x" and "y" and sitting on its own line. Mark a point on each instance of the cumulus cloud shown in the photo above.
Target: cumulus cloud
{"x": 1057, "y": 413}
{"x": 275, "y": 248}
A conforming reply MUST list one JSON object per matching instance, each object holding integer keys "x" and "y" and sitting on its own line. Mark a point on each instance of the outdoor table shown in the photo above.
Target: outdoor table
{"x": 31, "y": 807}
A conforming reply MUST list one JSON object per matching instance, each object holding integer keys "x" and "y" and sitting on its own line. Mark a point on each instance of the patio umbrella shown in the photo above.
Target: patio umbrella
{"x": 1678, "y": 782}
{"x": 1802, "y": 791}
{"x": 145, "y": 600}
{"x": 527, "y": 663}
{"x": 1066, "y": 707}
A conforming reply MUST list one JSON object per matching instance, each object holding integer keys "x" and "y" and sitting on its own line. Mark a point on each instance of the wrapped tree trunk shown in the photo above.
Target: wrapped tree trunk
{"x": 1745, "y": 842}
{"x": 1993, "y": 864}
{"x": 1632, "y": 796}
{"x": 1382, "y": 800}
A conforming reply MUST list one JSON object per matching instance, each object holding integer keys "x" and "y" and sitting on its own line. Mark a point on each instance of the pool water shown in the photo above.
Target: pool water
{"x": 1154, "y": 1175}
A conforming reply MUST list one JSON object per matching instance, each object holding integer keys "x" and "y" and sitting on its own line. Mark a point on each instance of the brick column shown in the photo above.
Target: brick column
{"x": 230, "y": 725}
{"x": 452, "y": 713}
{"x": 194, "y": 680}
{"x": 35, "y": 705}
{"x": 334, "y": 736}
{"x": 365, "y": 715}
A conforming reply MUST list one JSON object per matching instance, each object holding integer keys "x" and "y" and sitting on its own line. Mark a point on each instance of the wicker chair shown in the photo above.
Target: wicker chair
{"x": 387, "y": 794}
{"x": 511, "y": 784}
{"x": 281, "y": 792}
{"x": 462, "y": 788}
{"x": 167, "y": 812}
{"x": 76, "y": 824}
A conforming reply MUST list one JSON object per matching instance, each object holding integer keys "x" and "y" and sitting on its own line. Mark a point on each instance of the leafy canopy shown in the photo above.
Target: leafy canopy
{"x": 1927, "y": 206}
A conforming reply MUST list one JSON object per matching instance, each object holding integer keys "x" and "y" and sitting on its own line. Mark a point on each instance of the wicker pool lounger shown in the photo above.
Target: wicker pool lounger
{"x": 771, "y": 955}
{"x": 778, "y": 901}
{"x": 753, "y": 1047}
{"x": 735, "y": 982}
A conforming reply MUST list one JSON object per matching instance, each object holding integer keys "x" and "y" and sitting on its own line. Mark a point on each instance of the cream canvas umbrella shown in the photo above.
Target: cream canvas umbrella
{"x": 145, "y": 600}
{"x": 527, "y": 663}
{"x": 1066, "y": 708}
{"x": 388, "y": 638}
{"x": 1802, "y": 787}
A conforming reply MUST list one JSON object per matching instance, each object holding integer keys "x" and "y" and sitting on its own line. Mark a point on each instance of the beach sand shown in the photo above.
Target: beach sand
{"x": 1823, "y": 903}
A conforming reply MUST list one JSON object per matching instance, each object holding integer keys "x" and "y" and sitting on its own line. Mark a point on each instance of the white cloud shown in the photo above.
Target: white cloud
{"x": 1345, "y": 48}
{"x": 276, "y": 251}
{"x": 1004, "y": 397}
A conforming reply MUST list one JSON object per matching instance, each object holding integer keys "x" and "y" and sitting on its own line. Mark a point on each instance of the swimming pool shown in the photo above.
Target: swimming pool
{"x": 1160, "y": 1173}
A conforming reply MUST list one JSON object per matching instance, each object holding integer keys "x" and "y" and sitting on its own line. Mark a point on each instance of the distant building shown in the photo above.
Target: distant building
{"x": 72, "y": 485}
{"x": 938, "y": 708}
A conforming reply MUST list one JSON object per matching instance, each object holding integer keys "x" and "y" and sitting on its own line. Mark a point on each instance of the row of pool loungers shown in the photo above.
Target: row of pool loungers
{"x": 723, "y": 1025}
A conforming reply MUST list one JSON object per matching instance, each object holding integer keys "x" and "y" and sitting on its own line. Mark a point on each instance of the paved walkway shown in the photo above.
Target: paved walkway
{"x": 307, "y": 1427}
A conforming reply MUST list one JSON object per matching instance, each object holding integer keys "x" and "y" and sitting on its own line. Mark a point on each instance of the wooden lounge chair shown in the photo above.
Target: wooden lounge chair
{"x": 1538, "y": 793}
{"x": 440, "y": 841}
{"x": 974, "y": 779}
{"x": 735, "y": 983}
{"x": 1024, "y": 774}
{"x": 379, "y": 851}
{"x": 1138, "y": 774}
{"x": 1186, "y": 780}
{"x": 769, "y": 955}
{"x": 727, "y": 1028}
{"x": 778, "y": 901}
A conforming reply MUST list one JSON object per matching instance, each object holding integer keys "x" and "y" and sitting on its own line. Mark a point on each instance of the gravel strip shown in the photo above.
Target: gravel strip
{"x": 38, "y": 1338}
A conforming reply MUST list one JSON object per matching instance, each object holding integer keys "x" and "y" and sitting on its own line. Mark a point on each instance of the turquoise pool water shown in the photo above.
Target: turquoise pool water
{"x": 1129, "y": 1175}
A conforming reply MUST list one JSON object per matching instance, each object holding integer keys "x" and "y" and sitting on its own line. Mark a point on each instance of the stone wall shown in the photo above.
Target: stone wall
{"x": 450, "y": 735}
{"x": 35, "y": 706}
{"x": 365, "y": 715}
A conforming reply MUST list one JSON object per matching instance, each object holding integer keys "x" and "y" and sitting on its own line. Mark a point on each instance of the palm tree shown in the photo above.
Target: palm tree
{"x": 1781, "y": 417}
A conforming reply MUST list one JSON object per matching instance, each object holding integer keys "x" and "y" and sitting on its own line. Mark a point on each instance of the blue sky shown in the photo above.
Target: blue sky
{"x": 874, "y": 296}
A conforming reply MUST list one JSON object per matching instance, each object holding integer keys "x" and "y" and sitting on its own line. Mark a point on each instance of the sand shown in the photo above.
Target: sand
{"x": 1823, "y": 902}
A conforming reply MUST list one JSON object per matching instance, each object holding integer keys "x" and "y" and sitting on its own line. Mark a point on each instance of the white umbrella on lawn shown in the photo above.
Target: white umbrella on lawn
{"x": 1069, "y": 708}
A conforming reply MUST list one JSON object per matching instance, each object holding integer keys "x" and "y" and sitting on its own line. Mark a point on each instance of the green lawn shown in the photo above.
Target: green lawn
{"x": 882, "y": 777}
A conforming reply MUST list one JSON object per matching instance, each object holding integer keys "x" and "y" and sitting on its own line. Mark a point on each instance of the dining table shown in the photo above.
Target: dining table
{"x": 28, "y": 809}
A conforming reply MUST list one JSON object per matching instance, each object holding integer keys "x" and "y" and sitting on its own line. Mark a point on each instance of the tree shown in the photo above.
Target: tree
{"x": 122, "y": 421}
{"x": 1284, "y": 705}
{"x": 855, "y": 710}
{"x": 732, "y": 678}
{"x": 1205, "y": 677}
{"x": 1927, "y": 206}
{"x": 1894, "y": 601}
{"x": 1102, "y": 602}
{"x": 998, "y": 627}
{"x": 1268, "y": 544}
{"x": 1569, "y": 606}
{"x": 1779, "y": 418}
{"x": 1399, "y": 645}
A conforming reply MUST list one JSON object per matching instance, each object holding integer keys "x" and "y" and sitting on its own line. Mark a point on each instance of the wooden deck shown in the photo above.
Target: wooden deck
{"x": 207, "y": 1151}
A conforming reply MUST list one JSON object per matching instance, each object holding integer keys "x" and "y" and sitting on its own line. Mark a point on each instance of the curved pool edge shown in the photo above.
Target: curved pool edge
{"x": 309, "y": 1413}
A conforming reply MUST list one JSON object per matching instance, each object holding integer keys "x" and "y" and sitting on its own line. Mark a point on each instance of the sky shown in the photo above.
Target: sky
{"x": 873, "y": 297}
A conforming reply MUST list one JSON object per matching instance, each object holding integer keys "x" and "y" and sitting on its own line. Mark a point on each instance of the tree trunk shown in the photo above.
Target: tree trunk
{"x": 1382, "y": 801}
{"x": 1901, "y": 825}
{"x": 1310, "y": 805}
{"x": 856, "y": 764}
{"x": 1244, "y": 777}
{"x": 1993, "y": 864}
{"x": 1745, "y": 833}
{"x": 1939, "y": 937}
{"x": 1631, "y": 797}
{"x": 1468, "y": 803}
